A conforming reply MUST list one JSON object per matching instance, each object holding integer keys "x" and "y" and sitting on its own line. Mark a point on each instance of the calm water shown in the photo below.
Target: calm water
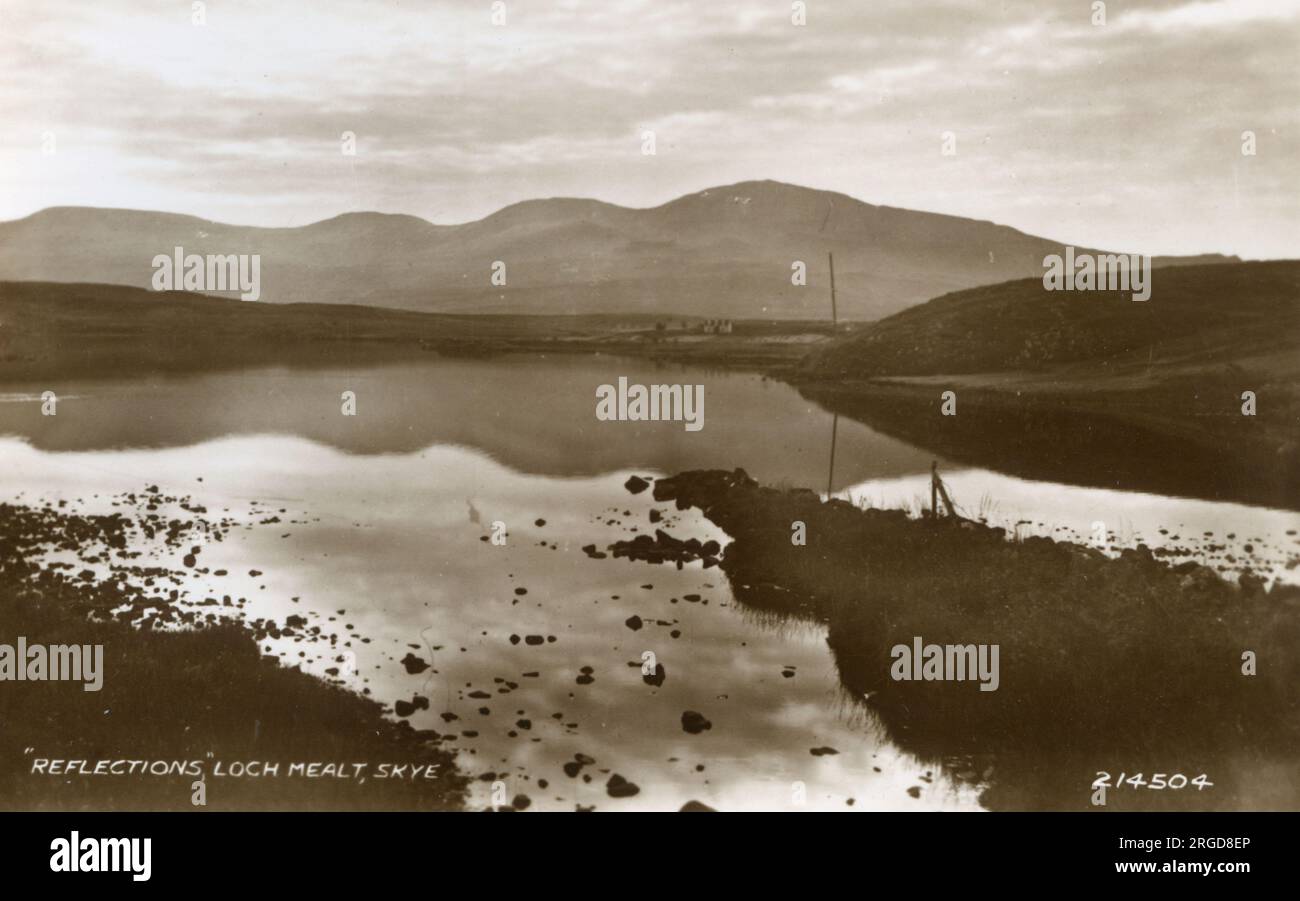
{"x": 378, "y": 535}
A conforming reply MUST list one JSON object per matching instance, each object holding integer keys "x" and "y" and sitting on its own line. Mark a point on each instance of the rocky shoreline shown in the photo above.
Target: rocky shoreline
{"x": 186, "y": 687}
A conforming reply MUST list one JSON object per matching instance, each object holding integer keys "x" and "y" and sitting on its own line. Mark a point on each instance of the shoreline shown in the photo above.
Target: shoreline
{"x": 1123, "y": 664}
{"x": 225, "y": 705}
{"x": 1060, "y": 424}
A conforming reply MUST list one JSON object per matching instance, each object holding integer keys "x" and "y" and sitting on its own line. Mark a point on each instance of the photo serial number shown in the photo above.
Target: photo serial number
{"x": 1157, "y": 782}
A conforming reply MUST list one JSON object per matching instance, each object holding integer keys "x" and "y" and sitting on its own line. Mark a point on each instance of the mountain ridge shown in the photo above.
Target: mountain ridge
{"x": 726, "y": 252}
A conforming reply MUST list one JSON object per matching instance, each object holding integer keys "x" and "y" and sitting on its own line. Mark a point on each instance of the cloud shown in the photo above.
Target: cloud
{"x": 241, "y": 118}
{"x": 1215, "y": 14}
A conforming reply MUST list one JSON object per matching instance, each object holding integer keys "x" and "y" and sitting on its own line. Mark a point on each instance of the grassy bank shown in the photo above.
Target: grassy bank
{"x": 1107, "y": 665}
{"x": 1090, "y": 387}
{"x": 50, "y": 330}
{"x": 1183, "y": 437}
{"x": 203, "y": 693}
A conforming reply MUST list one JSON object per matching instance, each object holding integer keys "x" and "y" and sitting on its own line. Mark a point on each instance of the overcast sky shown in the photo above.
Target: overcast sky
{"x": 1125, "y": 136}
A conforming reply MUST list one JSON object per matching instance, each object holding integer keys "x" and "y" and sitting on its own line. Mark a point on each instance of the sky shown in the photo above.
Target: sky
{"x": 1126, "y": 135}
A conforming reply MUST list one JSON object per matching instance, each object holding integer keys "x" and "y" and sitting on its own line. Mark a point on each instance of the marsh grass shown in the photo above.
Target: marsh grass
{"x": 1106, "y": 664}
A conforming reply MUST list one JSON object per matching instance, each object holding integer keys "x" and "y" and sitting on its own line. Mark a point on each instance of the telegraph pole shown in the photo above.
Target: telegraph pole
{"x": 834, "y": 317}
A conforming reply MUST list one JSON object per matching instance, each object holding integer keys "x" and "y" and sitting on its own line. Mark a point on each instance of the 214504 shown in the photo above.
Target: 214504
{"x": 1157, "y": 782}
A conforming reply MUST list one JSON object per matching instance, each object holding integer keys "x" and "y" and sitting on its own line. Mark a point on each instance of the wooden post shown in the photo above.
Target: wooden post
{"x": 830, "y": 476}
{"x": 834, "y": 315}
{"x": 947, "y": 502}
{"x": 939, "y": 491}
{"x": 934, "y": 488}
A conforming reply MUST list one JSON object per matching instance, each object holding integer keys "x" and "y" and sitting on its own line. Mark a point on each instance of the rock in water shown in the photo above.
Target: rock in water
{"x": 695, "y": 723}
{"x": 618, "y": 787}
{"x": 413, "y": 664}
{"x": 696, "y": 807}
{"x": 636, "y": 484}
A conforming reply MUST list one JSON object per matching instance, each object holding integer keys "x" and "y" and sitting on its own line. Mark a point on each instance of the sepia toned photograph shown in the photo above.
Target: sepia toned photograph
{"x": 572, "y": 406}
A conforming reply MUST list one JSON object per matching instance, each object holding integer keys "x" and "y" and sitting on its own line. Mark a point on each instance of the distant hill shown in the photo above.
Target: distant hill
{"x": 1196, "y": 315}
{"x": 725, "y": 252}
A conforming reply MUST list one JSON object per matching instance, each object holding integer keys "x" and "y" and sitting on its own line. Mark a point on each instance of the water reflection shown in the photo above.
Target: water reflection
{"x": 382, "y": 543}
{"x": 533, "y": 414}
{"x": 382, "y": 552}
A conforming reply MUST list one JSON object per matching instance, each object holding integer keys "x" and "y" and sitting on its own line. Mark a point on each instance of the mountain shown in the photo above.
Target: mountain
{"x": 725, "y": 252}
{"x": 1196, "y": 316}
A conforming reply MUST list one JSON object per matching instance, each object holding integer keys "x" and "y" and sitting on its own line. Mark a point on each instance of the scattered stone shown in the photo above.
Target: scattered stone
{"x": 618, "y": 787}
{"x": 664, "y": 548}
{"x": 696, "y": 807}
{"x": 694, "y": 723}
{"x": 414, "y": 665}
{"x": 636, "y": 484}
{"x": 406, "y": 708}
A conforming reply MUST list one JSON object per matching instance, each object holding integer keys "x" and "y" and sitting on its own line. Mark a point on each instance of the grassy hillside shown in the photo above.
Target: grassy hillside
{"x": 1196, "y": 315}
{"x": 1093, "y": 388}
